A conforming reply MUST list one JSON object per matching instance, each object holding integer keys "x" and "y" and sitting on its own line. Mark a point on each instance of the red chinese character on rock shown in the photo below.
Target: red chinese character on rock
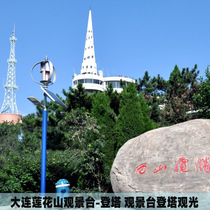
{"x": 183, "y": 165}
{"x": 159, "y": 169}
{"x": 142, "y": 168}
{"x": 206, "y": 166}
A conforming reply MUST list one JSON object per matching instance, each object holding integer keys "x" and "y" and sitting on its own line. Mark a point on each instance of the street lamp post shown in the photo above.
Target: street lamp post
{"x": 47, "y": 70}
{"x": 44, "y": 147}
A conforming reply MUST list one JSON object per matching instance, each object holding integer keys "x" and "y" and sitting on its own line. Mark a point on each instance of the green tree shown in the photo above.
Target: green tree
{"x": 18, "y": 167}
{"x": 77, "y": 98}
{"x": 114, "y": 98}
{"x": 131, "y": 121}
{"x": 179, "y": 100}
{"x": 154, "y": 91}
{"x": 154, "y": 102}
{"x": 32, "y": 133}
{"x": 106, "y": 119}
{"x": 82, "y": 134}
{"x": 149, "y": 86}
{"x": 202, "y": 98}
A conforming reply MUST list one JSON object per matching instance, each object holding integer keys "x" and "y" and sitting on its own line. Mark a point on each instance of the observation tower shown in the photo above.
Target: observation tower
{"x": 9, "y": 110}
{"x": 89, "y": 77}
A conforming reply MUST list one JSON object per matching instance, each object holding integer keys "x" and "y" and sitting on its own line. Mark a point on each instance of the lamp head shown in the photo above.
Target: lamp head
{"x": 47, "y": 70}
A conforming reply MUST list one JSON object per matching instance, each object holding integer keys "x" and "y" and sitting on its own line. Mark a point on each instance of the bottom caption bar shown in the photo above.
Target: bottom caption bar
{"x": 105, "y": 201}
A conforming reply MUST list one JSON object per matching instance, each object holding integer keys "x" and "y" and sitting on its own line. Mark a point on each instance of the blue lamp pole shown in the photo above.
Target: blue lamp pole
{"x": 47, "y": 70}
{"x": 44, "y": 146}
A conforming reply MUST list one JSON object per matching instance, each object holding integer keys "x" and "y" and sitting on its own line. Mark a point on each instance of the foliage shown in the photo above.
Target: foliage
{"x": 181, "y": 87}
{"x": 21, "y": 174}
{"x": 106, "y": 119}
{"x": 146, "y": 112}
{"x": 17, "y": 170}
{"x": 149, "y": 86}
{"x": 202, "y": 98}
{"x": 77, "y": 98}
{"x": 61, "y": 165}
{"x": 154, "y": 91}
{"x": 32, "y": 130}
{"x": 114, "y": 98}
{"x": 82, "y": 133}
{"x": 131, "y": 120}
{"x": 83, "y": 140}
{"x": 154, "y": 103}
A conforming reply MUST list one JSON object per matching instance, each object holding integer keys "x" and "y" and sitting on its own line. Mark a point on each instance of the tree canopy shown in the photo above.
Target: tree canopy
{"x": 83, "y": 140}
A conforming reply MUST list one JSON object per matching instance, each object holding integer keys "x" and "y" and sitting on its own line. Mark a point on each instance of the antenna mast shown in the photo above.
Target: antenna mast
{"x": 9, "y": 104}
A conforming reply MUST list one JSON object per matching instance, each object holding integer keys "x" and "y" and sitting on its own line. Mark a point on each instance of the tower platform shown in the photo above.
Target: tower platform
{"x": 10, "y": 117}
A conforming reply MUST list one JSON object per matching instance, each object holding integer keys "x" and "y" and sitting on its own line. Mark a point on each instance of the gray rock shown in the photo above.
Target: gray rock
{"x": 170, "y": 147}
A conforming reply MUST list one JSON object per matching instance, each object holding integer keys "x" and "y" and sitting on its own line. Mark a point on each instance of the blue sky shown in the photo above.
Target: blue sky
{"x": 130, "y": 37}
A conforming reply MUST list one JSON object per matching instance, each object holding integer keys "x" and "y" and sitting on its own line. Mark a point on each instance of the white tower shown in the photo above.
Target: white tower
{"x": 9, "y": 111}
{"x": 90, "y": 79}
{"x": 89, "y": 65}
{"x": 9, "y": 104}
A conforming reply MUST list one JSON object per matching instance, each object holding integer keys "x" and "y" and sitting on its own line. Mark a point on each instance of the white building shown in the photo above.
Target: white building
{"x": 92, "y": 81}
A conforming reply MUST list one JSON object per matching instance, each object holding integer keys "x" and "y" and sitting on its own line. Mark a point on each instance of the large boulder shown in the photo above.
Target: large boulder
{"x": 172, "y": 159}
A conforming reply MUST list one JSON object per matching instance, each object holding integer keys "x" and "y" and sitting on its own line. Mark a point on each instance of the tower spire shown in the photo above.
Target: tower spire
{"x": 9, "y": 104}
{"x": 89, "y": 65}
{"x": 13, "y": 32}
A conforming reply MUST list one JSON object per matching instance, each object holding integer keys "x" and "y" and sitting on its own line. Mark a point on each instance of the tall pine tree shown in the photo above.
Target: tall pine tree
{"x": 181, "y": 87}
{"x": 106, "y": 119}
{"x": 133, "y": 118}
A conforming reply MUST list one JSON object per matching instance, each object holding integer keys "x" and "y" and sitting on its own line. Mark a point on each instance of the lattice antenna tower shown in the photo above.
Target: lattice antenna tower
{"x": 9, "y": 104}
